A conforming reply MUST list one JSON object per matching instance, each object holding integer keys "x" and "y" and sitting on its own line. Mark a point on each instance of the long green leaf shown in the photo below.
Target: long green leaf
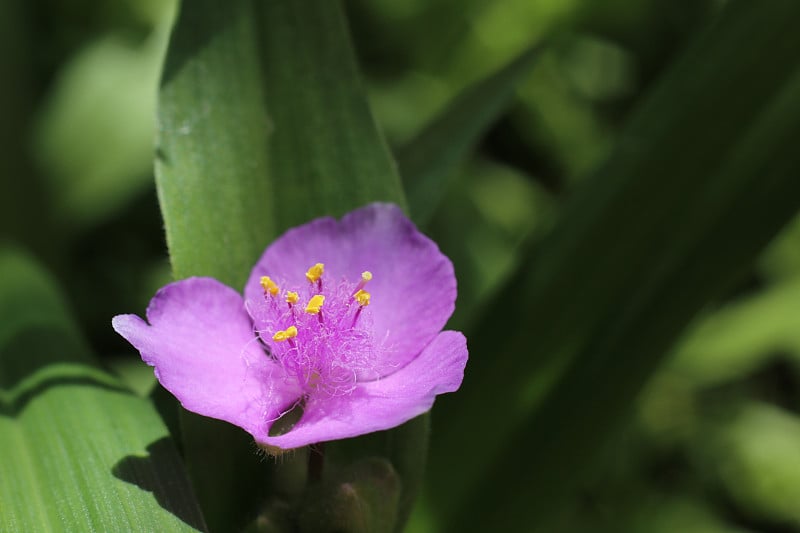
{"x": 263, "y": 124}
{"x": 428, "y": 161}
{"x": 80, "y": 452}
{"x": 703, "y": 178}
{"x": 606, "y": 375}
{"x": 211, "y": 171}
{"x": 212, "y": 166}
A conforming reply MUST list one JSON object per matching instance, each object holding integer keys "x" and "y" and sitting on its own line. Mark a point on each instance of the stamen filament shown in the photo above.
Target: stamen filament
{"x": 365, "y": 277}
{"x": 355, "y": 317}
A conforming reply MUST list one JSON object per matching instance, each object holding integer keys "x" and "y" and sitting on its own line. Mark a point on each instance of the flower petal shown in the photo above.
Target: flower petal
{"x": 200, "y": 341}
{"x": 384, "y": 403}
{"x": 413, "y": 287}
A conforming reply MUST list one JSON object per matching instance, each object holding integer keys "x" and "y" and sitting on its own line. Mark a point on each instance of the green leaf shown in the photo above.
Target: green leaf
{"x": 428, "y": 161}
{"x": 263, "y": 124}
{"x": 702, "y": 179}
{"x": 82, "y": 453}
{"x": 212, "y": 166}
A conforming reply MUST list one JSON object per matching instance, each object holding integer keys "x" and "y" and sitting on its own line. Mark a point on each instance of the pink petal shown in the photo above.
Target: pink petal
{"x": 201, "y": 343}
{"x": 413, "y": 287}
{"x": 384, "y": 403}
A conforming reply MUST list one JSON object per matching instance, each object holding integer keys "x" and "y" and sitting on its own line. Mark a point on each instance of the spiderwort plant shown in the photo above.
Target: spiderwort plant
{"x": 344, "y": 317}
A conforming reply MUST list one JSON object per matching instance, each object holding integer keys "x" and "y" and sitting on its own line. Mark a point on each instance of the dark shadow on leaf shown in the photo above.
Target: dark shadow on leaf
{"x": 156, "y": 473}
{"x": 168, "y": 407}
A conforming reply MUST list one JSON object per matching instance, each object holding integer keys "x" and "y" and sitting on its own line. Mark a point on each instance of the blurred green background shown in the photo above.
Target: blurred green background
{"x": 713, "y": 443}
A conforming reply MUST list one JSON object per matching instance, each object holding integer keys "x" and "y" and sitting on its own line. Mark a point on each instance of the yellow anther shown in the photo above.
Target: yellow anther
{"x": 315, "y": 272}
{"x": 362, "y": 297}
{"x": 269, "y": 285}
{"x": 286, "y": 334}
{"x": 315, "y": 304}
{"x": 366, "y": 276}
{"x": 291, "y": 297}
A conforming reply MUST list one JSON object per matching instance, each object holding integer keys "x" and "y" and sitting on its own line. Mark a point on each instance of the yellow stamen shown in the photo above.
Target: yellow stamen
{"x": 269, "y": 285}
{"x": 362, "y": 297}
{"x": 291, "y": 297}
{"x": 366, "y": 276}
{"x": 315, "y": 272}
{"x": 286, "y": 334}
{"x": 315, "y": 304}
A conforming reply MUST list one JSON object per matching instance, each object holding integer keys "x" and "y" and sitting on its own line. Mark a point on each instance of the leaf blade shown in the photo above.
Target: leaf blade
{"x": 253, "y": 140}
{"x": 72, "y": 425}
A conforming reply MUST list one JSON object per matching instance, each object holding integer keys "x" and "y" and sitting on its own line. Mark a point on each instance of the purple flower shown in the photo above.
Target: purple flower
{"x": 344, "y": 316}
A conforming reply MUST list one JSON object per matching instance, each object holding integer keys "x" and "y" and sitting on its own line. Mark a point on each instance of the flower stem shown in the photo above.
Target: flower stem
{"x": 316, "y": 460}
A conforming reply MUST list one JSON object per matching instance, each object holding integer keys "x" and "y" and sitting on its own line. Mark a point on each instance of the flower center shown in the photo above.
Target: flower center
{"x": 320, "y": 332}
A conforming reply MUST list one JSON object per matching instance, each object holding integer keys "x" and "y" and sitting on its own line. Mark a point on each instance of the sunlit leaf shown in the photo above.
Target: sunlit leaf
{"x": 254, "y": 139}
{"x": 81, "y": 452}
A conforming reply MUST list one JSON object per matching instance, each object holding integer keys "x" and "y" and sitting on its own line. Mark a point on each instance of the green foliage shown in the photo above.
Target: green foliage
{"x": 299, "y": 140}
{"x": 670, "y": 251}
{"x": 604, "y": 177}
{"x": 70, "y": 432}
